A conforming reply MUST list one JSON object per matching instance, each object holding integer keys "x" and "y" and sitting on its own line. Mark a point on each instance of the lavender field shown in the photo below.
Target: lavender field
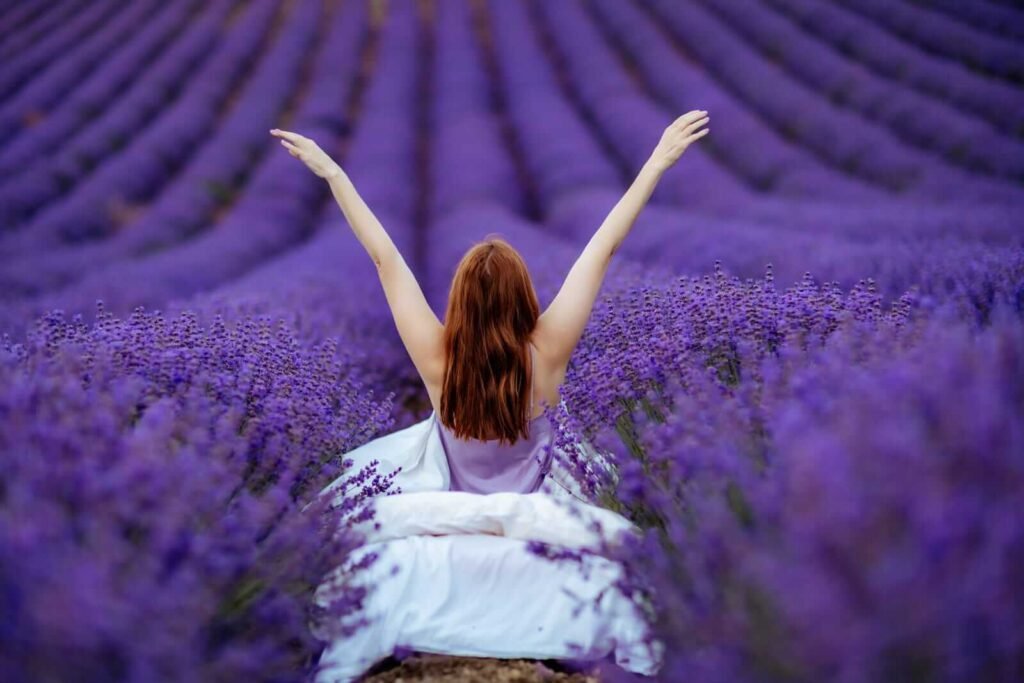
{"x": 806, "y": 365}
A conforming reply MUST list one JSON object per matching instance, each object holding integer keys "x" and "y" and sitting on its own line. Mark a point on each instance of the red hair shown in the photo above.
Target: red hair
{"x": 492, "y": 310}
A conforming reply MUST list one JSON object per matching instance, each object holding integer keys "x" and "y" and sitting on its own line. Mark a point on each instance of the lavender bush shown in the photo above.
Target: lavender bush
{"x": 152, "y": 479}
{"x": 830, "y": 488}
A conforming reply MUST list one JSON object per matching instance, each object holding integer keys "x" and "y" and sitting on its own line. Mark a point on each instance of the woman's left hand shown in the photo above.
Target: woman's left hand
{"x": 308, "y": 152}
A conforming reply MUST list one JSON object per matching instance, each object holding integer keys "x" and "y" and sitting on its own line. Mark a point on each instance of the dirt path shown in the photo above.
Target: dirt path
{"x": 446, "y": 669}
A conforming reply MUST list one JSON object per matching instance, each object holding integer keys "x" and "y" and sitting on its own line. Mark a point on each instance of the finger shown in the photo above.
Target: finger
{"x": 286, "y": 134}
{"x": 288, "y": 145}
{"x": 695, "y": 125}
{"x": 690, "y": 116}
{"x": 698, "y": 134}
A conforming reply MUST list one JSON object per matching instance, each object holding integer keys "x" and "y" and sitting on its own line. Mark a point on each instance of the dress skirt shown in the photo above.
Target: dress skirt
{"x": 454, "y": 576}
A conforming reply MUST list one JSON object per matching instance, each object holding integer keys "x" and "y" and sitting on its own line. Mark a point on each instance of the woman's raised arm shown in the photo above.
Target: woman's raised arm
{"x": 561, "y": 325}
{"x": 368, "y": 230}
{"x": 418, "y": 326}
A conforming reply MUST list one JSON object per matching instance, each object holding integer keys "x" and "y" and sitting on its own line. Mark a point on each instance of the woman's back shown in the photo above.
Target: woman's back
{"x": 490, "y": 466}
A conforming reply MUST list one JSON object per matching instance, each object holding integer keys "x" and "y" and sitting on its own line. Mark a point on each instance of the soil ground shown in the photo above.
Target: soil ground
{"x": 425, "y": 668}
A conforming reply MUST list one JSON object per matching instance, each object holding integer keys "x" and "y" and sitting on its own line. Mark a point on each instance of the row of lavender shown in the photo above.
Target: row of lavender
{"x": 229, "y": 424}
{"x": 154, "y": 467}
{"x": 830, "y": 490}
{"x": 155, "y": 60}
{"x": 763, "y": 434}
{"x": 753, "y": 393}
{"x": 887, "y": 55}
{"x": 923, "y": 121}
{"x": 818, "y": 473}
{"x": 25, "y": 24}
{"x": 25, "y": 58}
{"x": 844, "y": 139}
{"x": 81, "y": 214}
{"x": 896, "y": 242}
{"x": 154, "y": 151}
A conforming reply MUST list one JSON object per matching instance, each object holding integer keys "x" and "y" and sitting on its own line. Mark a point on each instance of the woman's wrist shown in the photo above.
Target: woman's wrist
{"x": 652, "y": 165}
{"x": 333, "y": 173}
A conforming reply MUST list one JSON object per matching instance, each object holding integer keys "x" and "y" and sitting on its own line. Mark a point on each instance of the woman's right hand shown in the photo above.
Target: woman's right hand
{"x": 677, "y": 137}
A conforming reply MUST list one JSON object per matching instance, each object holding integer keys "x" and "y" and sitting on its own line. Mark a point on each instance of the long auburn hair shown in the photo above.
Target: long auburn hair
{"x": 492, "y": 310}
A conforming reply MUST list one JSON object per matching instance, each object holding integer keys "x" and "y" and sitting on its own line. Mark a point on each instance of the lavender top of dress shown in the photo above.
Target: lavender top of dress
{"x": 489, "y": 466}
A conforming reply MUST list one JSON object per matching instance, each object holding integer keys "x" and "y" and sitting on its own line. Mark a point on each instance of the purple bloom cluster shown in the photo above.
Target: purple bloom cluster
{"x": 830, "y": 489}
{"x": 153, "y": 473}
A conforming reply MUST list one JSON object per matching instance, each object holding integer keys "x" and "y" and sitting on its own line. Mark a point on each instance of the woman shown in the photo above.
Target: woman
{"x": 498, "y": 360}
{"x": 489, "y": 371}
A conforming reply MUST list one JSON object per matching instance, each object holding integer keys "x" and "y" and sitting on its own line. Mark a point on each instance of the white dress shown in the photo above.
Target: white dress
{"x": 454, "y": 576}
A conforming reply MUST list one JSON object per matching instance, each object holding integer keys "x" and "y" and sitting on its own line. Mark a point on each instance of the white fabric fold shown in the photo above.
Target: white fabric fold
{"x": 416, "y": 452}
{"x": 487, "y": 596}
{"x": 527, "y": 516}
{"x": 454, "y": 575}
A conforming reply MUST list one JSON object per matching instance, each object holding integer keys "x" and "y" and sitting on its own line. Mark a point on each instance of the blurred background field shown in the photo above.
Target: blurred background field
{"x": 807, "y": 361}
